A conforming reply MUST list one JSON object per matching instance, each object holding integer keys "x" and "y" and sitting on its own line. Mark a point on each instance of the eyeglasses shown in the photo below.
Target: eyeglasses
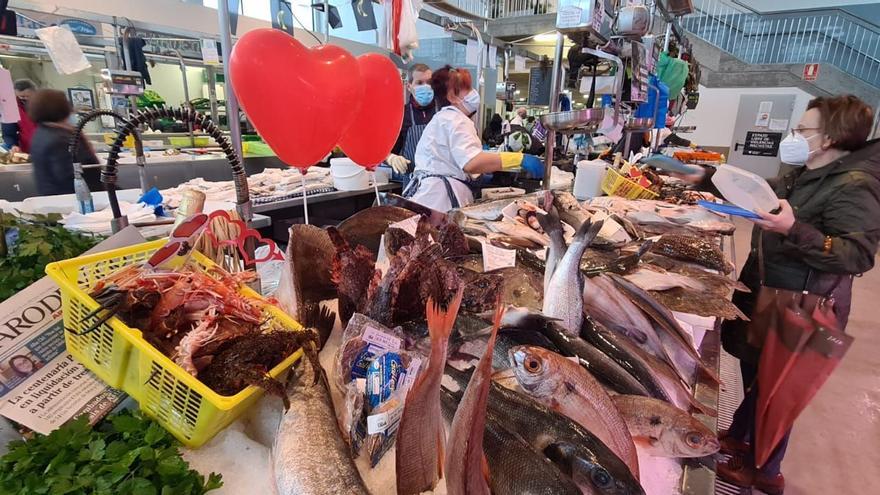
{"x": 801, "y": 130}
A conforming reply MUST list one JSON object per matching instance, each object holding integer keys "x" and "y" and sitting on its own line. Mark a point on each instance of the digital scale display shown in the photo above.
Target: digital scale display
{"x": 126, "y": 83}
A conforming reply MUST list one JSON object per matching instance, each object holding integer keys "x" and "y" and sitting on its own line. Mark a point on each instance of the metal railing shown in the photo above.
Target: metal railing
{"x": 816, "y": 36}
{"x": 501, "y": 9}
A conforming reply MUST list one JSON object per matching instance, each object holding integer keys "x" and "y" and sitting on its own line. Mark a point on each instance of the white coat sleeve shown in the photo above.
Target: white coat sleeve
{"x": 464, "y": 144}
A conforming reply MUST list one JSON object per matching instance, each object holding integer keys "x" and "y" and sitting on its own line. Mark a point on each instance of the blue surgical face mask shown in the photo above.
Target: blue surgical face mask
{"x": 471, "y": 102}
{"x": 423, "y": 94}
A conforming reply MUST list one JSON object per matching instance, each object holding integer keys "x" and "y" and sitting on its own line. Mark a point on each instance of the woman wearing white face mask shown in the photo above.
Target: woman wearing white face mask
{"x": 450, "y": 147}
{"x": 826, "y": 231}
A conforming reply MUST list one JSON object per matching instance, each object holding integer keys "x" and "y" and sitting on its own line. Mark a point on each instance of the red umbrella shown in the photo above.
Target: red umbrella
{"x": 810, "y": 369}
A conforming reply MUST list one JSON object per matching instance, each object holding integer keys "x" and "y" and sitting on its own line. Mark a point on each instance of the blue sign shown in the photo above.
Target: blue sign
{"x": 80, "y": 27}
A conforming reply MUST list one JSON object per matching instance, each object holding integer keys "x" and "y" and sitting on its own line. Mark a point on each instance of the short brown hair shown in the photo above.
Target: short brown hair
{"x": 448, "y": 78}
{"x": 49, "y": 105}
{"x": 417, "y": 68}
{"x": 846, "y": 120}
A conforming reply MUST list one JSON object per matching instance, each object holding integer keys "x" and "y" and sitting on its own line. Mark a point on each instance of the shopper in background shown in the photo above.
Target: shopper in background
{"x": 417, "y": 112}
{"x": 492, "y": 135}
{"x": 17, "y": 135}
{"x": 519, "y": 118}
{"x": 825, "y": 233}
{"x": 53, "y": 166}
{"x": 450, "y": 148}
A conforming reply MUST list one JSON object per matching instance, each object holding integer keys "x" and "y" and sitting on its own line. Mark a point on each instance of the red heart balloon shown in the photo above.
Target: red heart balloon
{"x": 301, "y": 100}
{"x": 377, "y": 125}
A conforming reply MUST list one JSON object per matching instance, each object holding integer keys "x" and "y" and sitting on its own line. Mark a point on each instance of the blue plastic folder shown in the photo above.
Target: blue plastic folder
{"x": 729, "y": 209}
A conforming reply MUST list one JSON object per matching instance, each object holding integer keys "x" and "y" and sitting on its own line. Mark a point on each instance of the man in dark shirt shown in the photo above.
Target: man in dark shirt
{"x": 418, "y": 111}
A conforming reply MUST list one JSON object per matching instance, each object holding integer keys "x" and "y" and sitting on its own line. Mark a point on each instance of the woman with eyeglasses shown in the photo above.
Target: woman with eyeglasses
{"x": 825, "y": 232}
{"x": 450, "y": 147}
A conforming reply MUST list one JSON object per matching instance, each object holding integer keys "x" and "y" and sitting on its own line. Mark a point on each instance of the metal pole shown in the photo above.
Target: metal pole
{"x": 231, "y": 103}
{"x": 555, "y": 85}
{"x": 186, "y": 103}
{"x": 326, "y": 21}
{"x": 212, "y": 93}
{"x": 668, "y": 35}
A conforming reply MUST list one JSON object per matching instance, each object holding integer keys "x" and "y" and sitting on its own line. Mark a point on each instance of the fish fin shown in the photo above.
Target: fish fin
{"x": 484, "y": 466}
{"x": 440, "y": 322}
{"x": 441, "y": 450}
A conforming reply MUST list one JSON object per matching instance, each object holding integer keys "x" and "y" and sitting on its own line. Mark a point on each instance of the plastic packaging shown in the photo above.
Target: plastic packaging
{"x": 745, "y": 189}
{"x": 588, "y": 181}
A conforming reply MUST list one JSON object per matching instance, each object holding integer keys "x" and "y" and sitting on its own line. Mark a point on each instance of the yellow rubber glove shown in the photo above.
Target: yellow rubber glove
{"x": 510, "y": 160}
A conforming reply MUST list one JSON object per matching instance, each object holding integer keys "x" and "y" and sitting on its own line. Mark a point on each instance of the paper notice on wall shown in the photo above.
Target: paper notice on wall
{"x": 493, "y": 57}
{"x": 762, "y": 119}
{"x": 9, "y": 113}
{"x": 519, "y": 63}
{"x": 209, "y": 52}
{"x": 765, "y": 107}
{"x": 472, "y": 53}
{"x": 779, "y": 125}
{"x": 64, "y": 50}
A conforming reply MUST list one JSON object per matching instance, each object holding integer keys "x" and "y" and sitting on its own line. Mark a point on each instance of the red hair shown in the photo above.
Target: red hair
{"x": 449, "y": 80}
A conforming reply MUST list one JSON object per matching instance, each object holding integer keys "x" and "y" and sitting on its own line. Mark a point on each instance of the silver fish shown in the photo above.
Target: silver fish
{"x": 564, "y": 298}
{"x": 669, "y": 431}
{"x": 310, "y": 456}
{"x": 553, "y": 227}
{"x": 516, "y": 229}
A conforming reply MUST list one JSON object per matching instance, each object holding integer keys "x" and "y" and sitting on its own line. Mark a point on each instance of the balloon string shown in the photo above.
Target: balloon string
{"x": 305, "y": 203}
{"x": 375, "y": 187}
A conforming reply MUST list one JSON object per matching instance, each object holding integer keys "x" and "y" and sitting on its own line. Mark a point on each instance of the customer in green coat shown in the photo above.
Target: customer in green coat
{"x": 825, "y": 232}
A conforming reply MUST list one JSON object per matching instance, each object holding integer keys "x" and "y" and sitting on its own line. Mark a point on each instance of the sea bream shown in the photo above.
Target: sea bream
{"x": 665, "y": 430}
{"x": 310, "y": 456}
{"x": 574, "y": 450}
{"x": 563, "y": 298}
{"x": 420, "y": 438}
{"x": 566, "y": 387}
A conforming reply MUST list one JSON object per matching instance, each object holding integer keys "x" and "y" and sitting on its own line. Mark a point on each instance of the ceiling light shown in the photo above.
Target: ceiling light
{"x": 545, "y": 37}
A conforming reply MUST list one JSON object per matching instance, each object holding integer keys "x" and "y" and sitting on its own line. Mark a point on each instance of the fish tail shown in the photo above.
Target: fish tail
{"x": 440, "y": 322}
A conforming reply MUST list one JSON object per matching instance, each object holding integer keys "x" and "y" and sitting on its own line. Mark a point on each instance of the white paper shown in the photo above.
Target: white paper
{"x": 519, "y": 63}
{"x": 493, "y": 57}
{"x": 381, "y": 339}
{"x": 495, "y": 258}
{"x": 765, "y": 107}
{"x": 64, "y": 50}
{"x": 762, "y": 120}
{"x": 472, "y": 53}
{"x": 8, "y": 104}
{"x": 410, "y": 225}
{"x": 209, "y": 52}
{"x": 46, "y": 387}
{"x": 379, "y": 423}
{"x": 779, "y": 125}
{"x": 411, "y": 373}
{"x": 568, "y": 17}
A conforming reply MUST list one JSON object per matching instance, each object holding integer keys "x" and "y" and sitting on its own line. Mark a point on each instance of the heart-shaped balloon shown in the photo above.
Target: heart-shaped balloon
{"x": 377, "y": 124}
{"x": 301, "y": 100}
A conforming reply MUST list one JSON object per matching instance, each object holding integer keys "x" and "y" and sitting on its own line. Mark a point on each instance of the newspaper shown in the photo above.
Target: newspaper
{"x": 41, "y": 385}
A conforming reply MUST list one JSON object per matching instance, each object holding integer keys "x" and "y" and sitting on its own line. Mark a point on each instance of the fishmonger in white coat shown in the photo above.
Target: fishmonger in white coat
{"x": 450, "y": 147}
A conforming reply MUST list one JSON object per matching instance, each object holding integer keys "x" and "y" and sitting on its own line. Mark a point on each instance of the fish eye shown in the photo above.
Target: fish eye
{"x": 694, "y": 439}
{"x": 601, "y": 478}
{"x": 533, "y": 365}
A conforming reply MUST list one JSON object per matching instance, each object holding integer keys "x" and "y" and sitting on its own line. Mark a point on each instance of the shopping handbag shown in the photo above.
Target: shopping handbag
{"x": 807, "y": 372}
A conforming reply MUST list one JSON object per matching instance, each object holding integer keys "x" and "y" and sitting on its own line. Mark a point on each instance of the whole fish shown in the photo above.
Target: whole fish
{"x": 551, "y": 224}
{"x": 515, "y": 468}
{"x": 489, "y": 211}
{"x": 464, "y": 458}
{"x": 679, "y": 394}
{"x": 696, "y": 249}
{"x": 576, "y": 452}
{"x": 676, "y": 341}
{"x": 570, "y": 210}
{"x": 420, "y": 439}
{"x": 701, "y": 303}
{"x": 566, "y": 387}
{"x": 600, "y": 365}
{"x": 367, "y": 226}
{"x": 516, "y": 229}
{"x": 316, "y": 462}
{"x": 621, "y": 350}
{"x": 563, "y": 298}
{"x": 667, "y": 430}
{"x": 655, "y": 278}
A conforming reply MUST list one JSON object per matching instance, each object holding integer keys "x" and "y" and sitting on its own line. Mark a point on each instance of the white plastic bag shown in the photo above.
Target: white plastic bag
{"x": 64, "y": 50}
{"x": 408, "y": 37}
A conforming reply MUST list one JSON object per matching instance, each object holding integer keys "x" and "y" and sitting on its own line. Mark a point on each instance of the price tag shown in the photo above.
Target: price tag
{"x": 411, "y": 373}
{"x": 379, "y": 423}
{"x": 410, "y": 225}
{"x": 495, "y": 258}
{"x": 209, "y": 52}
{"x": 380, "y": 339}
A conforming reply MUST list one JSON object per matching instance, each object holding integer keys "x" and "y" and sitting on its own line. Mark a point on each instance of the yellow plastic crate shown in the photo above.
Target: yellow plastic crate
{"x": 615, "y": 184}
{"x": 120, "y": 356}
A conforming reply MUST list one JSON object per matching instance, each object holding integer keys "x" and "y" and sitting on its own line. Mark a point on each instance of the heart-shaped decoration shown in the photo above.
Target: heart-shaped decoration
{"x": 273, "y": 254}
{"x": 301, "y": 100}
